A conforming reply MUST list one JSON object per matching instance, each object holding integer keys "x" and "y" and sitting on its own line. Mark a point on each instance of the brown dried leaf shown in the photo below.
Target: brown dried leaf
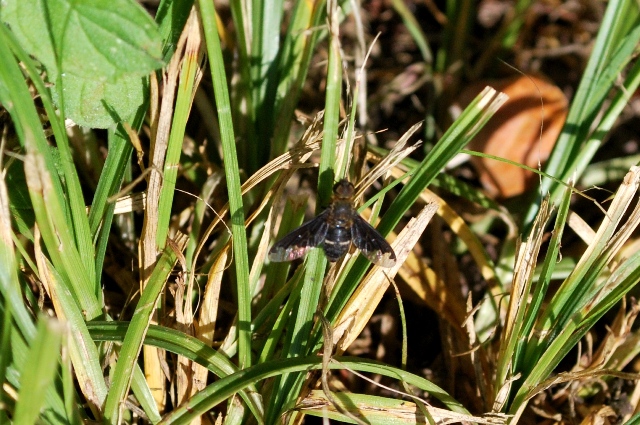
{"x": 514, "y": 133}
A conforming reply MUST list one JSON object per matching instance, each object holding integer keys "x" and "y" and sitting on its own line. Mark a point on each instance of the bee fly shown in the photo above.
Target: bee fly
{"x": 335, "y": 229}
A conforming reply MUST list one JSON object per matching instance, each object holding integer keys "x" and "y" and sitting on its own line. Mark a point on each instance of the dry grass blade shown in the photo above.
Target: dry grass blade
{"x": 524, "y": 269}
{"x": 153, "y": 357}
{"x": 581, "y": 227}
{"x": 457, "y": 224}
{"x": 394, "y": 411}
{"x": 207, "y": 321}
{"x": 356, "y": 314}
{"x": 53, "y": 287}
{"x": 619, "y": 205}
{"x": 296, "y": 157}
{"x": 397, "y": 154}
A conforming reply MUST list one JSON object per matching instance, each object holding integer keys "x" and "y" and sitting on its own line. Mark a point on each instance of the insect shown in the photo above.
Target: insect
{"x": 335, "y": 229}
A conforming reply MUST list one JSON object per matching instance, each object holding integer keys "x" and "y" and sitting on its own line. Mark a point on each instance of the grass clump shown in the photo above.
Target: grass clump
{"x": 149, "y": 163}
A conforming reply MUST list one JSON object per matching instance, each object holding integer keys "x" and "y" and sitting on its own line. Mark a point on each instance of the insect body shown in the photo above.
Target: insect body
{"x": 335, "y": 229}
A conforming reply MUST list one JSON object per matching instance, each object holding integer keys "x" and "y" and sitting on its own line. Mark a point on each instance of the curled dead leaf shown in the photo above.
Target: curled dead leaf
{"x": 514, "y": 133}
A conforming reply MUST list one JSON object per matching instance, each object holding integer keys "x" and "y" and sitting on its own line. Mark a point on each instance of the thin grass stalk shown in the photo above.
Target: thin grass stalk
{"x": 544, "y": 280}
{"x": 514, "y": 320}
{"x": 82, "y": 349}
{"x": 232, "y": 172}
{"x": 189, "y": 79}
{"x": 75, "y": 199}
{"x": 569, "y": 156}
{"x": 42, "y": 361}
{"x": 133, "y": 341}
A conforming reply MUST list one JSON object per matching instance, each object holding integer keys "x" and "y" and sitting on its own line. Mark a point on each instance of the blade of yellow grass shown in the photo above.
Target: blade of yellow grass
{"x": 296, "y": 157}
{"x": 524, "y": 269}
{"x": 367, "y": 296}
{"x": 384, "y": 410}
{"x": 148, "y": 248}
{"x": 208, "y": 316}
{"x": 82, "y": 350}
{"x": 464, "y": 232}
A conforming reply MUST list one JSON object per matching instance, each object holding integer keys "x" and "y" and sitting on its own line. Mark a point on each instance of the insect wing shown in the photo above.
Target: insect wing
{"x": 368, "y": 240}
{"x": 297, "y": 243}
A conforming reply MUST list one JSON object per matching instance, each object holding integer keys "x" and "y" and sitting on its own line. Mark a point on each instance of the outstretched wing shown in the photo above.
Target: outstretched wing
{"x": 298, "y": 242}
{"x": 371, "y": 243}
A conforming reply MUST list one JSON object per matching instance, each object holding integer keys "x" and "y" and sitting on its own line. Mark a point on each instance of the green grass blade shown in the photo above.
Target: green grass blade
{"x": 183, "y": 345}
{"x": 72, "y": 183}
{"x": 9, "y": 281}
{"x": 6, "y": 328}
{"x": 133, "y": 340}
{"x": 55, "y": 411}
{"x": 512, "y": 334}
{"x": 543, "y": 281}
{"x": 45, "y": 189}
{"x": 265, "y": 49}
{"x": 112, "y": 175}
{"x": 232, "y": 172}
{"x": 82, "y": 349}
{"x": 143, "y": 394}
{"x": 42, "y": 360}
{"x": 171, "y": 17}
{"x": 189, "y": 71}
{"x": 618, "y": 36}
{"x": 316, "y": 262}
{"x": 226, "y": 387}
{"x": 582, "y": 322}
{"x": 297, "y": 52}
{"x": 574, "y": 292}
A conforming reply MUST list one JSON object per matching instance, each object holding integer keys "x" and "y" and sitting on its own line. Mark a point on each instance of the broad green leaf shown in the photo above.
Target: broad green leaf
{"x": 101, "y": 40}
{"x": 26, "y": 19}
{"x": 104, "y": 39}
{"x": 99, "y": 104}
{"x": 101, "y": 49}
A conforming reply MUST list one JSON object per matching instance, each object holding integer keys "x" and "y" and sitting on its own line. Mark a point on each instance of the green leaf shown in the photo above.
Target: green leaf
{"x": 26, "y": 19}
{"x": 20, "y": 204}
{"x": 40, "y": 373}
{"x": 103, "y": 40}
{"x": 99, "y": 104}
{"x": 101, "y": 49}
